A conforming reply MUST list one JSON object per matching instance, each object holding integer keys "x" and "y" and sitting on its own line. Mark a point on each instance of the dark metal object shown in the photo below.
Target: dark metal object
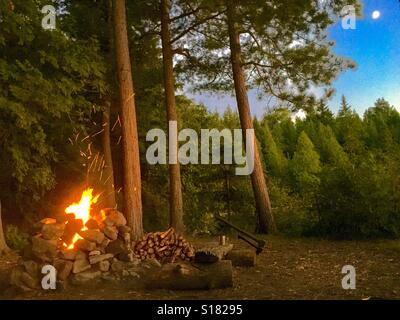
{"x": 259, "y": 244}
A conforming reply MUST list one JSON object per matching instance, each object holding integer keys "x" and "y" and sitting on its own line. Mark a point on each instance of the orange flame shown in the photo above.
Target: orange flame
{"x": 81, "y": 210}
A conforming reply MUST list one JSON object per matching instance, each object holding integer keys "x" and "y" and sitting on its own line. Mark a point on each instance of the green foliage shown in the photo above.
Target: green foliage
{"x": 329, "y": 148}
{"x": 305, "y": 166}
{"x": 344, "y": 181}
{"x": 47, "y": 84}
{"x": 15, "y": 238}
{"x": 293, "y": 213}
{"x": 275, "y": 161}
{"x": 296, "y": 30}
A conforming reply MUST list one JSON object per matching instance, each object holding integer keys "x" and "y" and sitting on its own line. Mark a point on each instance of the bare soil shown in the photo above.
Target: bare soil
{"x": 287, "y": 269}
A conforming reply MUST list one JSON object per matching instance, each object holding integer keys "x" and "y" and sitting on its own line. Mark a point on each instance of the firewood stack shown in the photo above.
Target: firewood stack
{"x": 167, "y": 246}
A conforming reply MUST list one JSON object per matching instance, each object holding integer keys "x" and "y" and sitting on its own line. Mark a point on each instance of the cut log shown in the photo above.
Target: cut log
{"x": 212, "y": 253}
{"x": 192, "y": 277}
{"x": 242, "y": 257}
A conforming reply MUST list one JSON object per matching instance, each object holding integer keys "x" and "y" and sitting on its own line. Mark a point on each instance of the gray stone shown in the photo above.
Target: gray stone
{"x": 53, "y": 231}
{"x": 85, "y": 245}
{"x": 127, "y": 239}
{"x": 39, "y": 225}
{"x": 85, "y": 277}
{"x": 45, "y": 250}
{"x": 64, "y": 269}
{"x": 110, "y": 278}
{"x": 29, "y": 281}
{"x": 69, "y": 255}
{"x": 104, "y": 266}
{"x": 125, "y": 273}
{"x": 81, "y": 266}
{"x": 135, "y": 262}
{"x": 152, "y": 263}
{"x": 111, "y": 232}
{"x": 16, "y": 278}
{"x": 104, "y": 245}
{"x": 116, "y": 247}
{"x": 124, "y": 229}
{"x": 92, "y": 235}
{"x": 118, "y": 266}
{"x": 32, "y": 268}
{"x": 80, "y": 255}
{"x": 133, "y": 274}
{"x": 94, "y": 253}
{"x": 97, "y": 259}
{"x": 61, "y": 286}
{"x": 114, "y": 218}
{"x": 92, "y": 224}
{"x": 126, "y": 256}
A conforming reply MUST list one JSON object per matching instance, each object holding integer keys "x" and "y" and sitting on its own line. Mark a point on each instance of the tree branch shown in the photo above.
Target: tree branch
{"x": 182, "y": 52}
{"x": 194, "y": 26}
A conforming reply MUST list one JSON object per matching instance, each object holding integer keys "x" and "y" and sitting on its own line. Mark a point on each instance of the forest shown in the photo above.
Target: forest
{"x": 78, "y": 98}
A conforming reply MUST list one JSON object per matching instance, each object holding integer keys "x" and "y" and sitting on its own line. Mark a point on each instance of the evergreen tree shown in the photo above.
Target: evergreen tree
{"x": 345, "y": 108}
{"x": 324, "y": 114}
{"x": 276, "y": 163}
{"x": 349, "y": 131}
{"x": 381, "y": 125}
{"x": 329, "y": 148}
{"x": 306, "y": 166}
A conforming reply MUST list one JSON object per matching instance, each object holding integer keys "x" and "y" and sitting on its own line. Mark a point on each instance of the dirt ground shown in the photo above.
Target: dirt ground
{"x": 287, "y": 269}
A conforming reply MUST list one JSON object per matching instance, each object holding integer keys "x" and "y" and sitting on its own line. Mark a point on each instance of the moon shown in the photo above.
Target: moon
{"x": 376, "y": 15}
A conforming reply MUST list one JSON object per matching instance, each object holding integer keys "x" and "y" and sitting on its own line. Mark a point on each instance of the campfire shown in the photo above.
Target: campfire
{"x": 82, "y": 211}
{"x": 85, "y": 243}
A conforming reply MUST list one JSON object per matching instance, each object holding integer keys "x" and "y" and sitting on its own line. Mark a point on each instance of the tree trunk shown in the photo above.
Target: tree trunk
{"x": 130, "y": 143}
{"x": 242, "y": 257}
{"x": 192, "y": 276}
{"x": 3, "y": 244}
{"x": 263, "y": 205}
{"x": 175, "y": 191}
{"x": 108, "y": 174}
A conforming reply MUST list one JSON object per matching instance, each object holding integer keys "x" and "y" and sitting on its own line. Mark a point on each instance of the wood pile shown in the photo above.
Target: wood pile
{"x": 167, "y": 246}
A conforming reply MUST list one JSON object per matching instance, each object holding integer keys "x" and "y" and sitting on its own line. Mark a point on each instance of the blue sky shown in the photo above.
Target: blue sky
{"x": 375, "y": 47}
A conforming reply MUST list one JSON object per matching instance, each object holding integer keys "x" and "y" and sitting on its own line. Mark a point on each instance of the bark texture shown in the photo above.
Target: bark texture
{"x": 130, "y": 143}
{"x": 108, "y": 174}
{"x": 175, "y": 187}
{"x": 266, "y": 222}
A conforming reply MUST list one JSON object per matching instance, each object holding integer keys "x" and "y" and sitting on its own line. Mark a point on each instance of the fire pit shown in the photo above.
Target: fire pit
{"x": 84, "y": 245}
